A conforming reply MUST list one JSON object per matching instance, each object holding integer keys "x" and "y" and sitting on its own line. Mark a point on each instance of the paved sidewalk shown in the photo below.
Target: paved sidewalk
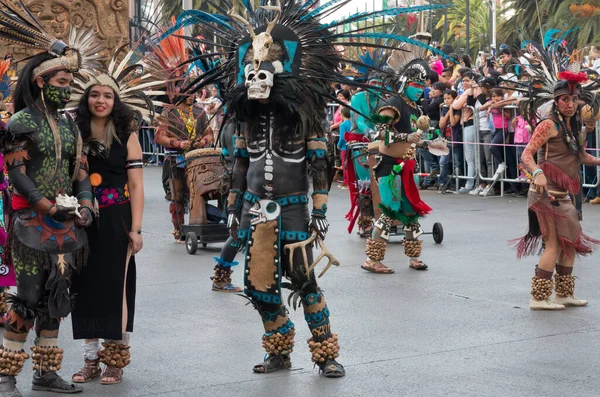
{"x": 463, "y": 328}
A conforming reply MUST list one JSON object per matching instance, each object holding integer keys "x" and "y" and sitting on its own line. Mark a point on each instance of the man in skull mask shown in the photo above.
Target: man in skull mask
{"x": 280, "y": 140}
{"x": 43, "y": 153}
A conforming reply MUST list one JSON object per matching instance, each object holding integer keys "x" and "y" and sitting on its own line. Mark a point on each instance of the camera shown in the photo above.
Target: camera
{"x": 490, "y": 63}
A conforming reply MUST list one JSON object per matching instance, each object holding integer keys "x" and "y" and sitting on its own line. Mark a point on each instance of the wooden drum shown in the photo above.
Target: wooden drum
{"x": 204, "y": 171}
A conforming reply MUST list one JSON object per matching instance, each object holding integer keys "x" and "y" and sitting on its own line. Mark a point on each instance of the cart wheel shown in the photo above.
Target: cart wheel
{"x": 438, "y": 233}
{"x": 191, "y": 243}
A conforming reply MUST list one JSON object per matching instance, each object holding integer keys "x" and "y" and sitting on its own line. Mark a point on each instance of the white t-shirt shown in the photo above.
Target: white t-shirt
{"x": 484, "y": 123}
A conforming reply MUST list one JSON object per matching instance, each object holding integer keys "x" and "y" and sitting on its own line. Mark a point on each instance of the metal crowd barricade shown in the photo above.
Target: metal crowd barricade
{"x": 151, "y": 151}
{"x": 596, "y": 182}
{"x": 460, "y": 145}
{"x": 503, "y": 178}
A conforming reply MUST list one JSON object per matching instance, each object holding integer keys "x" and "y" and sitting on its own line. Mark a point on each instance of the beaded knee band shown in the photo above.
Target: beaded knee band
{"x": 11, "y": 362}
{"x": 564, "y": 284}
{"x": 375, "y": 249}
{"x": 277, "y": 343}
{"x": 412, "y": 248}
{"x": 325, "y": 350}
{"x": 222, "y": 275}
{"x": 115, "y": 355}
{"x": 47, "y": 358}
{"x": 541, "y": 288}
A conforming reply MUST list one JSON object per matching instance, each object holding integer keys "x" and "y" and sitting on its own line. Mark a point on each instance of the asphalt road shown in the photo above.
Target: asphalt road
{"x": 462, "y": 328}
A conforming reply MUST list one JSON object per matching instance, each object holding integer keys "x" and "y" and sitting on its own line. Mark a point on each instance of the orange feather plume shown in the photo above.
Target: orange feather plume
{"x": 172, "y": 51}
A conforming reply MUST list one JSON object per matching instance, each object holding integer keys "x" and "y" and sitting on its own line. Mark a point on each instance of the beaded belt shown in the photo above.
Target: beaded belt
{"x": 111, "y": 195}
{"x": 282, "y": 201}
{"x": 287, "y": 235}
{"x": 559, "y": 195}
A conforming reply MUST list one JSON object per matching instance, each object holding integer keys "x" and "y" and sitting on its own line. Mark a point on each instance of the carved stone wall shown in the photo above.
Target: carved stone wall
{"x": 109, "y": 18}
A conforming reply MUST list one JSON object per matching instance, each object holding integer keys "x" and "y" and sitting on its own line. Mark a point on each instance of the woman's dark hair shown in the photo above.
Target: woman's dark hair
{"x": 494, "y": 73}
{"x": 345, "y": 94}
{"x": 497, "y": 92}
{"x": 470, "y": 75}
{"x": 467, "y": 61}
{"x": 452, "y": 93}
{"x": 26, "y": 90}
{"x": 462, "y": 71}
{"x": 453, "y": 58}
{"x": 433, "y": 76}
{"x": 439, "y": 86}
{"x": 345, "y": 112}
{"x": 121, "y": 115}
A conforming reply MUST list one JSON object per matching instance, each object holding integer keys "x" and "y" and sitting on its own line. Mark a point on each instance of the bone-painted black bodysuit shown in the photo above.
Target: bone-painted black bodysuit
{"x": 270, "y": 168}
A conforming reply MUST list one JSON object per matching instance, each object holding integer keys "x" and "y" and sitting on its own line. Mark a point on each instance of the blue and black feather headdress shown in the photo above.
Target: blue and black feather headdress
{"x": 311, "y": 61}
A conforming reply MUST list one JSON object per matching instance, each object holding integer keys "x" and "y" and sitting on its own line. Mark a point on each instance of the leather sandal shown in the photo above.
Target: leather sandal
{"x": 332, "y": 369}
{"x": 111, "y": 373}
{"x": 227, "y": 287}
{"x": 373, "y": 268}
{"x": 91, "y": 370}
{"x": 274, "y": 362}
{"x": 418, "y": 265}
{"x": 50, "y": 381}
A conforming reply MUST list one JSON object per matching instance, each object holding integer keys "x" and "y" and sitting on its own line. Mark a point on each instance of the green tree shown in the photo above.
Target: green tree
{"x": 524, "y": 20}
{"x": 587, "y": 21}
{"x": 479, "y": 13}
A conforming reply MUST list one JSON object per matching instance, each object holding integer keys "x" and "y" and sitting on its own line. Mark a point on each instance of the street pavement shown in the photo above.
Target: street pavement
{"x": 463, "y": 328}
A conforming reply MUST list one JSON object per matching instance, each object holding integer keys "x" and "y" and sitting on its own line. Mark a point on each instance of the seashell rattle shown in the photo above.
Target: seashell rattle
{"x": 69, "y": 202}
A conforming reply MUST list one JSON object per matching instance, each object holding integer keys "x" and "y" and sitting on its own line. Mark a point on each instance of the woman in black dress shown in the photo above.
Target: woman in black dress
{"x": 105, "y": 290}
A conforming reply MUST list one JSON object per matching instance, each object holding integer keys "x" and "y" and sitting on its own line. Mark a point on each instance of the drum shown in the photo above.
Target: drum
{"x": 204, "y": 171}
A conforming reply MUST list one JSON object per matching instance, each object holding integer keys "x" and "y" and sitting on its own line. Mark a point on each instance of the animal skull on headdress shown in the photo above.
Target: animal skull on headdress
{"x": 261, "y": 43}
{"x": 263, "y": 59}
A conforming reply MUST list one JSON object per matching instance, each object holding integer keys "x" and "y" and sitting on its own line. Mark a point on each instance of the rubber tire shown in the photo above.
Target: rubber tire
{"x": 191, "y": 243}
{"x": 438, "y": 233}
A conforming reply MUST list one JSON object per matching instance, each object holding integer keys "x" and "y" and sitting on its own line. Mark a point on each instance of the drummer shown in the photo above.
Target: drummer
{"x": 185, "y": 127}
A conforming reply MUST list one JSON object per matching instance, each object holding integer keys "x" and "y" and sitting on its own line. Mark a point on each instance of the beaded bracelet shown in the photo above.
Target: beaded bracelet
{"x": 536, "y": 172}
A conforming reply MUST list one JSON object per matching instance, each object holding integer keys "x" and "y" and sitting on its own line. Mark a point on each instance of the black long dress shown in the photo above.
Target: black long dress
{"x": 98, "y": 290}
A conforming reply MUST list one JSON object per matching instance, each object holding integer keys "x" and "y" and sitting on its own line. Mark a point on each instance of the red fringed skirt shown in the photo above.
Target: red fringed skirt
{"x": 563, "y": 218}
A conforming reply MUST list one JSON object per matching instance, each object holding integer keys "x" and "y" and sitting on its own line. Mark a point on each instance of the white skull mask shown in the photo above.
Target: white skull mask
{"x": 260, "y": 82}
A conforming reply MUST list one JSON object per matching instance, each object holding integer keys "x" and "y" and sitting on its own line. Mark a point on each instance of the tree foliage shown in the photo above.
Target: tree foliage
{"x": 532, "y": 18}
{"x": 479, "y": 13}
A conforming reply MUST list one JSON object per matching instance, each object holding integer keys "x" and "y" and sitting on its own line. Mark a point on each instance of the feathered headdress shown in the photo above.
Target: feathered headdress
{"x": 134, "y": 82}
{"x": 554, "y": 72}
{"x": 409, "y": 63}
{"x": 289, "y": 44}
{"x": 19, "y": 26}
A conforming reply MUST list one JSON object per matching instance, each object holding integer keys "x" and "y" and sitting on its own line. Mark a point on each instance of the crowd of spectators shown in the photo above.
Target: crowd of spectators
{"x": 474, "y": 105}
